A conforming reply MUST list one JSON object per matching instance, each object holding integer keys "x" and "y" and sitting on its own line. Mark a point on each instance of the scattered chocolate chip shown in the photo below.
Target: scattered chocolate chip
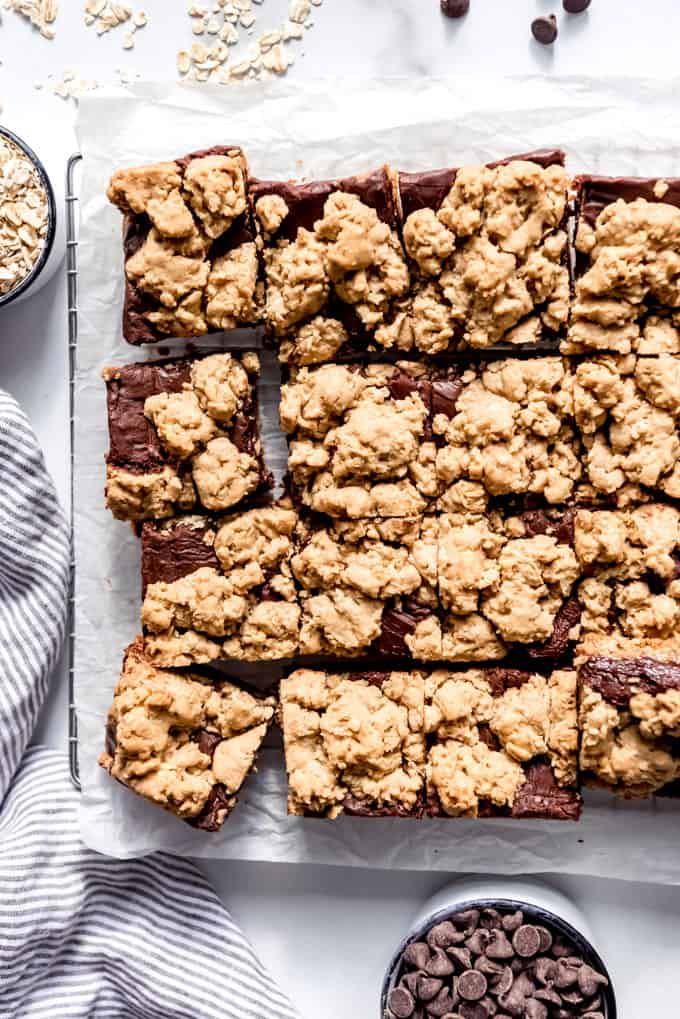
{"x": 487, "y": 966}
{"x": 544, "y": 30}
{"x": 565, "y": 975}
{"x": 472, "y": 985}
{"x": 544, "y": 970}
{"x": 417, "y": 954}
{"x": 512, "y": 921}
{"x": 526, "y": 941}
{"x": 429, "y": 987}
{"x": 443, "y": 935}
{"x": 499, "y": 947}
{"x": 440, "y": 965}
{"x": 401, "y": 1003}
{"x": 478, "y": 941}
{"x": 575, "y": 6}
{"x": 455, "y": 8}
{"x": 546, "y": 939}
{"x": 504, "y": 981}
{"x": 462, "y": 956}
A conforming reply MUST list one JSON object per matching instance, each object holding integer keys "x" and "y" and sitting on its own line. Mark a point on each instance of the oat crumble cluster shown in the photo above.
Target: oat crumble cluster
{"x": 472, "y": 582}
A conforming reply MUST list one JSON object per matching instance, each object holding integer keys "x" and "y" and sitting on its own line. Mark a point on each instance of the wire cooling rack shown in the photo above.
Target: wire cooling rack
{"x": 72, "y": 306}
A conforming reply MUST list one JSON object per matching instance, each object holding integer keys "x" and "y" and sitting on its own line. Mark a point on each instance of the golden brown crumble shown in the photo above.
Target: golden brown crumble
{"x": 347, "y": 738}
{"x": 156, "y": 718}
{"x": 152, "y": 495}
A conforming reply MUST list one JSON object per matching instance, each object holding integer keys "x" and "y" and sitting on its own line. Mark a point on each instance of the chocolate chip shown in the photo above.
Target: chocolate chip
{"x": 544, "y": 970}
{"x": 575, "y": 6}
{"x": 544, "y": 30}
{"x": 429, "y": 987}
{"x": 442, "y": 1004}
{"x": 489, "y": 1004}
{"x": 476, "y": 1011}
{"x": 535, "y": 1010}
{"x": 512, "y": 1002}
{"x": 455, "y": 8}
{"x": 417, "y": 954}
{"x": 478, "y": 941}
{"x": 504, "y": 981}
{"x": 547, "y": 994}
{"x": 411, "y": 981}
{"x": 560, "y": 948}
{"x": 440, "y": 965}
{"x": 487, "y": 966}
{"x": 526, "y": 941}
{"x": 489, "y": 919}
{"x": 499, "y": 947}
{"x": 524, "y": 985}
{"x": 590, "y": 1015}
{"x": 512, "y": 921}
{"x": 471, "y": 985}
{"x": 401, "y": 1003}
{"x": 463, "y": 956}
{"x": 443, "y": 934}
{"x": 572, "y": 998}
{"x": 589, "y": 980}
{"x": 565, "y": 976}
{"x": 546, "y": 939}
{"x": 467, "y": 920}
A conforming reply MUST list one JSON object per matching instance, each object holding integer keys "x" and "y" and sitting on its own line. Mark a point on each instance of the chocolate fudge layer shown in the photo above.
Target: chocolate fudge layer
{"x": 183, "y": 434}
{"x": 629, "y": 714}
{"x": 506, "y": 584}
{"x": 627, "y": 411}
{"x": 191, "y": 263}
{"x": 359, "y": 439}
{"x": 627, "y": 289}
{"x": 183, "y": 742}
{"x": 505, "y": 428}
{"x": 502, "y": 743}
{"x": 354, "y": 743}
{"x": 488, "y": 251}
{"x": 630, "y": 564}
{"x": 334, "y": 264}
{"x": 368, "y": 588}
{"x": 221, "y": 588}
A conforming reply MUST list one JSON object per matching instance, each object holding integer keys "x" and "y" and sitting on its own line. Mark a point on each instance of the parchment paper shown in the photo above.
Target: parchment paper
{"x": 326, "y": 128}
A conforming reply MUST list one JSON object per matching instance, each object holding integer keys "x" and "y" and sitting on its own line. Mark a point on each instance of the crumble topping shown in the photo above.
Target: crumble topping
{"x": 216, "y": 191}
{"x": 221, "y": 384}
{"x": 631, "y": 556}
{"x": 169, "y": 270}
{"x": 157, "y": 718}
{"x": 224, "y": 475}
{"x": 495, "y": 251}
{"x": 628, "y": 410}
{"x": 632, "y": 267}
{"x": 271, "y": 210}
{"x": 132, "y": 189}
{"x": 156, "y": 494}
{"x": 512, "y": 430}
{"x": 232, "y": 288}
{"x": 346, "y": 737}
{"x": 314, "y": 342}
{"x": 535, "y": 719}
{"x": 180, "y": 423}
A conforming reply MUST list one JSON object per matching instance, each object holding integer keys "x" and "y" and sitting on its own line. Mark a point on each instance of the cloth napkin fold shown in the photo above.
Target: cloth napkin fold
{"x": 81, "y": 935}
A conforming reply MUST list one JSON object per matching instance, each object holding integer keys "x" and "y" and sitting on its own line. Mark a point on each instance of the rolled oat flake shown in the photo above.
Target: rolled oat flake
{"x": 23, "y": 216}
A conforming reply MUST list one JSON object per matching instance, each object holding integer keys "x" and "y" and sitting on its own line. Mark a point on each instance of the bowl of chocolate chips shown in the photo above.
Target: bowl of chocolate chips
{"x": 28, "y": 218}
{"x": 497, "y": 951}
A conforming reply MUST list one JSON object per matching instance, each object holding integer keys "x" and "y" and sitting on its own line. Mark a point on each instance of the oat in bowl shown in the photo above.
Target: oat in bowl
{"x": 27, "y": 217}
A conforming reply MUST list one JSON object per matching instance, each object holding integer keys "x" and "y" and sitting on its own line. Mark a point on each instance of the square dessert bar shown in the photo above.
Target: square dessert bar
{"x": 488, "y": 251}
{"x": 368, "y": 588}
{"x": 183, "y": 434}
{"x": 360, "y": 442}
{"x": 629, "y": 561}
{"x": 183, "y": 742}
{"x": 507, "y": 584}
{"x": 629, "y": 714}
{"x": 354, "y": 743}
{"x": 191, "y": 262}
{"x": 627, "y": 410}
{"x": 502, "y": 743}
{"x": 220, "y": 588}
{"x": 627, "y": 287}
{"x": 334, "y": 265}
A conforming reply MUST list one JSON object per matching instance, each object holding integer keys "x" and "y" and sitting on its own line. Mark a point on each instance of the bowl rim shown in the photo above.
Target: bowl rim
{"x": 39, "y": 265}
{"x": 540, "y": 913}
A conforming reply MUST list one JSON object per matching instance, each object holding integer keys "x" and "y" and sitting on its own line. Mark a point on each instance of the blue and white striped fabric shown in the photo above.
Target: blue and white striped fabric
{"x": 82, "y": 935}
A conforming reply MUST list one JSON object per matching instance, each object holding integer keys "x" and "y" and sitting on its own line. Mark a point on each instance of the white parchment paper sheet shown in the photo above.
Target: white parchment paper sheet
{"x": 326, "y": 128}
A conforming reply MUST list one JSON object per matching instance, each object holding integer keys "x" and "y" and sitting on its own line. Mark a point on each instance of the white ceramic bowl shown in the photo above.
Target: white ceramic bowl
{"x": 53, "y": 250}
{"x": 542, "y": 904}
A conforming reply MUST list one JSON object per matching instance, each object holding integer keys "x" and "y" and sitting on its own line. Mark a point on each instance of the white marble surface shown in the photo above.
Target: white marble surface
{"x": 326, "y": 933}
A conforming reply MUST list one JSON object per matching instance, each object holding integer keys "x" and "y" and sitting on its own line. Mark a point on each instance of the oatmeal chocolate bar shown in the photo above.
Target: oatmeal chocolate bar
{"x": 220, "y": 588}
{"x": 368, "y": 588}
{"x": 334, "y": 264}
{"x": 354, "y": 743}
{"x": 629, "y": 560}
{"x": 182, "y": 434}
{"x": 487, "y": 247}
{"x": 191, "y": 263}
{"x": 629, "y": 714}
{"x": 502, "y": 742}
{"x": 505, "y": 428}
{"x": 181, "y": 741}
{"x": 360, "y": 441}
{"x": 627, "y": 410}
{"x": 507, "y": 584}
{"x": 627, "y": 287}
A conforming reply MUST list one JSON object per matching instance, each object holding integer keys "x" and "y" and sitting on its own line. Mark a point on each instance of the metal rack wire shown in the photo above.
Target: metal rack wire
{"x": 72, "y": 310}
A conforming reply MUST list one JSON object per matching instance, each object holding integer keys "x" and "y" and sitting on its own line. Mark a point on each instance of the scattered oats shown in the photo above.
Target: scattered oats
{"x": 276, "y": 60}
{"x": 198, "y": 26}
{"x": 269, "y": 39}
{"x": 141, "y": 19}
{"x": 247, "y": 20}
{"x": 199, "y": 52}
{"x": 128, "y": 41}
{"x": 23, "y": 216}
{"x": 242, "y": 6}
{"x": 183, "y": 62}
{"x": 89, "y": 20}
{"x": 292, "y": 31}
{"x": 299, "y": 10}
{"x": 197, "y": 11}
{"x": 213, "y": 26}
{"x": 229, "y": 35}
{"x": 94, "y": 8}
{"x": 240, "y": 69}
{"x": 316, "y": 3}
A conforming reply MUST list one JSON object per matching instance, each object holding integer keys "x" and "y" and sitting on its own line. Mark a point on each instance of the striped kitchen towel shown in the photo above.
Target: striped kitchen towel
{"x": 82, "y": 935}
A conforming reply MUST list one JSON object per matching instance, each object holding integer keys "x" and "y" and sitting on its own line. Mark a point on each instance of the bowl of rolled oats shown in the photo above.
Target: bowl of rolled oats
{"x": 28, "y": 218}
